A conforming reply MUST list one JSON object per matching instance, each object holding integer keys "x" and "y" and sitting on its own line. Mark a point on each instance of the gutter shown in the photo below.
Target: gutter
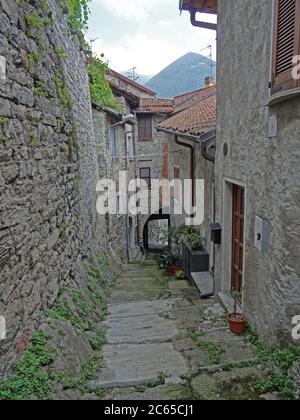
{"x": 206, "y": 140}
{"x": 178, "y": 133}
{"x": 201, "y": 24}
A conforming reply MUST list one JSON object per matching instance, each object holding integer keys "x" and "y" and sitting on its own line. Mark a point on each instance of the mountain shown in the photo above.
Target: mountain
{"x": 140, "y": 78}
{"x": 184, "y": 75}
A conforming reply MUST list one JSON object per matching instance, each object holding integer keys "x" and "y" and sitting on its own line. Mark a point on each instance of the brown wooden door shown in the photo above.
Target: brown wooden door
{"x": 238, "y": 219}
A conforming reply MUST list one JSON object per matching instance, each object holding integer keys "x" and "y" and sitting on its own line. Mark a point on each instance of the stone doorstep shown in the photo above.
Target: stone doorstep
{"x": 204, "y": 283}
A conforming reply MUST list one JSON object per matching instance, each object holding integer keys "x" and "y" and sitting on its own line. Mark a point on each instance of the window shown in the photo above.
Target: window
{"x": 177, "y": 191}
{"x": 286, "y": 45}
{"x": 145, "y": 127}
{"x": 114, "y": 141}
{"x": 145, "y": 174}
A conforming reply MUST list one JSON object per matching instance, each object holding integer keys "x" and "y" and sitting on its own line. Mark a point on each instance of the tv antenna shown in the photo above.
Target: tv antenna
{"x": 210, "y": 48}
{"x": 133, "y": 75}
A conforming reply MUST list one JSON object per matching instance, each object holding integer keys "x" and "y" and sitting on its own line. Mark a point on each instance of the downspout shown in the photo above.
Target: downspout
{"x": 127, "y": 216}
{"x": 191, "y": 148}
{"x": 201, "y": 24}
{"x": 205, "y": 155}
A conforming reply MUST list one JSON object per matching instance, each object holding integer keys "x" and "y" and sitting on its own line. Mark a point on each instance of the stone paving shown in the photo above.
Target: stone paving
{"x": 165, "y": 343}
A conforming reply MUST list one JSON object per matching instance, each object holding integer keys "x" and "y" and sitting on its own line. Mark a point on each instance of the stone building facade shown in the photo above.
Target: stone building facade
{"x": 257, "y": 164}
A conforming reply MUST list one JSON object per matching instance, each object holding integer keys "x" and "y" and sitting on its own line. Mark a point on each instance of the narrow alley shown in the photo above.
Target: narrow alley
{"x": 158, "y": 350}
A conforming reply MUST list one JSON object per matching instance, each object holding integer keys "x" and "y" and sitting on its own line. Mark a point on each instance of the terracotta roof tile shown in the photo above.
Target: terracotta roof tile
{"x": 156, "y": 105}
{"x": 196, "y": 119}
{"x": 189, "y": 99}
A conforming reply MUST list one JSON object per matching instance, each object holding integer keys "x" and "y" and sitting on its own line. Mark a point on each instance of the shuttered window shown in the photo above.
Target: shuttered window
{"x": 286, "y": 45}
{"x": 145, "y": 127}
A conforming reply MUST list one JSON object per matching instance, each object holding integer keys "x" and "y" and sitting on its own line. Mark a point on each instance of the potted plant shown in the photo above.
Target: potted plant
{"x": 237, "y": 321}
{"x": 194, "y": 256}
{"x": 172, "y": 263}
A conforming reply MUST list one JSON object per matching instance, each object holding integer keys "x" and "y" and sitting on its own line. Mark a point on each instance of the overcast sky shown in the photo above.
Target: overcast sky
{"x": 147, "y": 34}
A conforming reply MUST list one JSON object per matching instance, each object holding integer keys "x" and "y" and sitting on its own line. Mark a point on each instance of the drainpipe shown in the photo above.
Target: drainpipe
{"x": 191, "y": 148}
{"x": 127, "y": 216}
{"x": 205, "y": 155}
{"x": 201, "y": 24}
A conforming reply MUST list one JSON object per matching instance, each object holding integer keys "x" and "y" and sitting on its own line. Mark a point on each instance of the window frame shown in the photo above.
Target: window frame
{"x": 145, "y": 133}
{"x": 114, "y": 143}
{"x": 148, "y": 179}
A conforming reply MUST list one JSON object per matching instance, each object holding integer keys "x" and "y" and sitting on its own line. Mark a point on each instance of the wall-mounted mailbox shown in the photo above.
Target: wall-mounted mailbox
{"x": 216, "y": 233}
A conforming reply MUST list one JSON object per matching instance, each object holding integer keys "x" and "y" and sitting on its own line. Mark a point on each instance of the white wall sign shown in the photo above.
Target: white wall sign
{"x": 2, "y": 328}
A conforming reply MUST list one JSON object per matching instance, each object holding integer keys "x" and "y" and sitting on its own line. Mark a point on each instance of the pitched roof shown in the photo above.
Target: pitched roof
{"x": 156, "y": 105}
{"x": 132, "y": 83}
{"x": 194, "y": 120}
{"x": 189, "y": 99}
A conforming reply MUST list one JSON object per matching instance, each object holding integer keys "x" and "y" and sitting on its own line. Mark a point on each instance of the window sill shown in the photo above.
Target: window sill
{"x": 283, "y": 96}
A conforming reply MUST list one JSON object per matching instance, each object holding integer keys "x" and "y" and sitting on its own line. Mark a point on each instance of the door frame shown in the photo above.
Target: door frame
{"x": 228, "y": 234}
{"x": 237, "y": 191}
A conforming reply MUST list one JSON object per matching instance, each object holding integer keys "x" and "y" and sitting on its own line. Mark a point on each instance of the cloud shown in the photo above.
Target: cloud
{"x": 141, "y": 51}
{"x": 133, "y": 9}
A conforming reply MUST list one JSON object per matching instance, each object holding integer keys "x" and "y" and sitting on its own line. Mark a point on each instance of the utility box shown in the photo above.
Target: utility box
{"x": 216, "y": 233}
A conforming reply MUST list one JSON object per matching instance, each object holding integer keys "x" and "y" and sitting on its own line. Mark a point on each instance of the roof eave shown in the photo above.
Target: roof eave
{"x": 198, "y": 6}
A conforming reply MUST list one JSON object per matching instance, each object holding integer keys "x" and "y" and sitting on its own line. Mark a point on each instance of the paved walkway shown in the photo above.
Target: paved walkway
{"x": 164, "y": 342}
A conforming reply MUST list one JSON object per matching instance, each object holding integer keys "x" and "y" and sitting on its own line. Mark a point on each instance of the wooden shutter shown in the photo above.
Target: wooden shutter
{"x": 286, "y": 44}
{"x": 145, "y": 127}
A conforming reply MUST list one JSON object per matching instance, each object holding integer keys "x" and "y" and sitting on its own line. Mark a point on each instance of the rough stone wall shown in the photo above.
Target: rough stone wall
{"x": 48, "y": 170}
{"x": 269, "y": 167}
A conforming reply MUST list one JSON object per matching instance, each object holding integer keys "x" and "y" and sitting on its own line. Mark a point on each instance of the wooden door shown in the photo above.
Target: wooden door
{"x": 238, "y": 220}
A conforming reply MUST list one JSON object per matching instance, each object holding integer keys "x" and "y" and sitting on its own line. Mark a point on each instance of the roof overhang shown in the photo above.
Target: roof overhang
{"x": 108, "y": 110}
{"x": 202, "y": 6}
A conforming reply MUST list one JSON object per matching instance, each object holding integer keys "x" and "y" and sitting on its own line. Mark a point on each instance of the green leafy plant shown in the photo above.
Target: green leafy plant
{"x": 100, "y": 90}
{"x": 192, "y": 235}
{"x": 169, "y": 259}
{"x": 99, "y": 341}
{"x": 4, "y": 136}
{"x": 280, "y": 362}
{"x": 161, "y": 380}
{"x": 78, "y": 14}
{"x": 29, "y": 375}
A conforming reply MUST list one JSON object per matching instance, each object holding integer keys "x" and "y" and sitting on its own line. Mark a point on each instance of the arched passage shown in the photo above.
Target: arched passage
{"x": 155, "y": 234}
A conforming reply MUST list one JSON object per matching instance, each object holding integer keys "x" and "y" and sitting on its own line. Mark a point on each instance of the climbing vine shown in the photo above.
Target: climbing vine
{"x": 100, "y": 90}
{"x": 78, "y": 14}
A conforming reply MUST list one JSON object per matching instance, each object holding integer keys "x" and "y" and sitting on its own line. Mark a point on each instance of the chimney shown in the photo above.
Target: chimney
{"x": 209, "y": 81}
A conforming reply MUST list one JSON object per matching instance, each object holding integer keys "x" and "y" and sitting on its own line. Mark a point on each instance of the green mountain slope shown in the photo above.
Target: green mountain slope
{"x": 184, "y": 75}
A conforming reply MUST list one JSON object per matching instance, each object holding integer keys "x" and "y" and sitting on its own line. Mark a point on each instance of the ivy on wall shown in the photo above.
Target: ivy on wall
{"x": 100, "y": 90}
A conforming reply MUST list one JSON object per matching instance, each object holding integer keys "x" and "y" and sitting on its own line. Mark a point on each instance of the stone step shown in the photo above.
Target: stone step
{"x": 140, "y": 330}
{"x": 204, "y": 282}
{"x": 141, "y": 308}
{"x": 130, "y": 365}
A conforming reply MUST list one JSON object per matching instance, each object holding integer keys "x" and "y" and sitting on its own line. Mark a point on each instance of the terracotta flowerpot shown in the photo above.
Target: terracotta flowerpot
{"x": 174, "y": 270}
{"x": 237, "y": 323}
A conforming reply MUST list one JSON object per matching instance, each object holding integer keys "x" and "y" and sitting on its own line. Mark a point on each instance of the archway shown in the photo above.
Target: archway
{"x": 156, "y": 230}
